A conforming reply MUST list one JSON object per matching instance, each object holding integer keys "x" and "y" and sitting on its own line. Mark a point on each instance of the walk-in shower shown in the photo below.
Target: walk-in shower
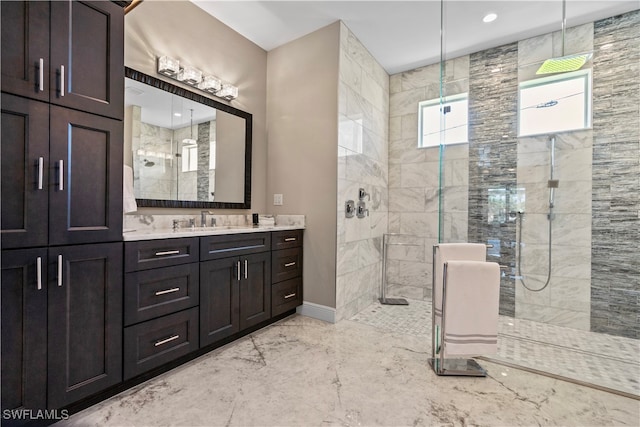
{"x": 552, "y": 184}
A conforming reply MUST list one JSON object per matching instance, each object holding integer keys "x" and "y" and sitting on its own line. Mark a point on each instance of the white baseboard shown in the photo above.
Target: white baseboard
{"x": 317, "y": 311}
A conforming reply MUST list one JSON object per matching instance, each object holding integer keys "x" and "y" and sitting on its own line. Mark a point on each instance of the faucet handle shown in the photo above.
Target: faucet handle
{"x": 362, "y": 194}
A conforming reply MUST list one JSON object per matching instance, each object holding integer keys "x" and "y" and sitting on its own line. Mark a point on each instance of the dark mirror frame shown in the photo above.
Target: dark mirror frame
{"x": 184, "y": 93}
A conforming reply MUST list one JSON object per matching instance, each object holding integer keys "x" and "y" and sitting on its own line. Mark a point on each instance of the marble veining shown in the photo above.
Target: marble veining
{"x": 303, "y": 372}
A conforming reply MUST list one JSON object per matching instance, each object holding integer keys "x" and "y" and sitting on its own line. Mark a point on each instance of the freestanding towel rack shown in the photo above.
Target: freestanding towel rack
{"x": 385, "y": 243}
{"x": 469, "y": 263}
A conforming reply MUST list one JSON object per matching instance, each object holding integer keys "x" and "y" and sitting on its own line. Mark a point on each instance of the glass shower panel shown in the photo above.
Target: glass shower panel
{"x": 548, "y": 180}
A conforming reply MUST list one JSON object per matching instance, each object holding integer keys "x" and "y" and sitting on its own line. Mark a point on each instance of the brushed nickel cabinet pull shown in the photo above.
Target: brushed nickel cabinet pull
{"x": 59, "y": 270}
{"x": 290, "y": 296}
{"x": 61, "y": 175}
{"x": 39, "y": 272}
{"x": 290, "y": 264}
{"x": 40, "y": 172}
{"x": 41, "y": 75}
{"x": 290, "y": 239}
{"x": 158, "y": 343}
{"x": 62, "y": 80}
{"x": 246, "y": 268}
{"x": 174, "y": 252}
{"x": 238, "y": 267}
{"x": 168, "y": 291}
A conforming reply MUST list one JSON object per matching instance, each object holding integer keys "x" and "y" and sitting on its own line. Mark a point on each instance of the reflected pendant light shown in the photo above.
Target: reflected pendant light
{"x": 564, "y": 64}
{"x": 190, "y": 140}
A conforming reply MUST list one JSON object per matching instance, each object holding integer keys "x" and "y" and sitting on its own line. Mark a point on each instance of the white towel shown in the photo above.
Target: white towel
{"x": 128, "y": 198}
{"x": 452, "y": 252}
{"x": 471, "y": 300}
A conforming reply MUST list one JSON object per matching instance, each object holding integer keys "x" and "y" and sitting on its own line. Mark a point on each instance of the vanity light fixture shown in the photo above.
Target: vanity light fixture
{"x": 192, "y": 76}
{"x": 168, "y": 66}
{"x": 228, "y": 92}
{"x": 210, "y": 84}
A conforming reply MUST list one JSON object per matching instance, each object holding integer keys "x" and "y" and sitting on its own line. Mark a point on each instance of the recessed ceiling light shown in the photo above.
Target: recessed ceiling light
{"x": 489, "y": 17}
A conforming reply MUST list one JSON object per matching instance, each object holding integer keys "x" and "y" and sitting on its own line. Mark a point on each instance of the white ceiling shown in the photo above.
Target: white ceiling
{"x": 403, "y": 35}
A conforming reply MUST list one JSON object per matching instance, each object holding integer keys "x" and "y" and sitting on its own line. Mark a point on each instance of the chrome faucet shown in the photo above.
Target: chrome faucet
{"x": 203, "y": 219}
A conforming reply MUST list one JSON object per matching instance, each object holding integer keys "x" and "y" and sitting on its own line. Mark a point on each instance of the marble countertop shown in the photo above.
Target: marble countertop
{"x": 152, "y": 234}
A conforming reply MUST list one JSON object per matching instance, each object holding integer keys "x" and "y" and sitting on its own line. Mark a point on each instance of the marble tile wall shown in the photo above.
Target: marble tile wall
{"x": 153, "y": 144}
{"x": 615, "y": 263}
{"x": 362, "y": 163}
{"x": 566, "y": 300}
{"x": 414, "y": 180}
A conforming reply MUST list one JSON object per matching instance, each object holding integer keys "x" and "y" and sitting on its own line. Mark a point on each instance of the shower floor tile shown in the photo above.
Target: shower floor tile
{"x": 594, "y": 358}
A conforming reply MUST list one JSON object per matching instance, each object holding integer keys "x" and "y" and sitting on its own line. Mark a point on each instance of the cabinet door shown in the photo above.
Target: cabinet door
{"x": 85, "y": 201}
{"x": 85, "y": 321}
{"x": 24, "y": 329}
{"x": 255, "y": 289}
{"x": 25, "y": 159}
{"x": 87, "y": 56}
{"x": 219, "y": 299}
{"x": 25, "y": 48}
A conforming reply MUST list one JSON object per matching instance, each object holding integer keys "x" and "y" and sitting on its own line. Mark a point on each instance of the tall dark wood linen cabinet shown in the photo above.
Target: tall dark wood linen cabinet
{"x": 62, "y": 146}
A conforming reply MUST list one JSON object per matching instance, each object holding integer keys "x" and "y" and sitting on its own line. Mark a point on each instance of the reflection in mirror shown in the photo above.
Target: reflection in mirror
{"x": 187, "y": 150}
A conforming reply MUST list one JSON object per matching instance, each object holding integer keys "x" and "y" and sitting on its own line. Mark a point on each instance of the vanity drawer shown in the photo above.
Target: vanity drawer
{"x": 147, "y": 254}
{"x": 226, "y": 245}
{"x": 156, "y": 342}
{"x": 286, "y": 239}
{"x": 154, "y": 293}
{"x": 286, "y": 295}
{"x": 286, "y": 264}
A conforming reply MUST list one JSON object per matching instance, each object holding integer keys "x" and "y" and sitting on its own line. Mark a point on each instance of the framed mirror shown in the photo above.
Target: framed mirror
{"x": 188, "y": 150}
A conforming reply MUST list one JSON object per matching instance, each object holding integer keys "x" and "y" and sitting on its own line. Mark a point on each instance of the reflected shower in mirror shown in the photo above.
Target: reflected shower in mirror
{"x": 187, "y": 150}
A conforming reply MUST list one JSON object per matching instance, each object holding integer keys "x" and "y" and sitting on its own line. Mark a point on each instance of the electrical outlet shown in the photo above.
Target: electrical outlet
{"x": 277, "y": 200}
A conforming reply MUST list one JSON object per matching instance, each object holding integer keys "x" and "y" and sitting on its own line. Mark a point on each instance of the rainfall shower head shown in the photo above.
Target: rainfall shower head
{"x": 564, "y": 64}
{"x": 148, "y": 163}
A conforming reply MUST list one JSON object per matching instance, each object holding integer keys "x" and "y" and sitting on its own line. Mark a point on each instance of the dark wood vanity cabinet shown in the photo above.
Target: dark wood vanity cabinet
{"x": 161, "y": 297}
{"x": 61, "y": 324}
{"x": 235, "y": 291}
{"x": 62, "y": 52}
{"x": 62, "y": 167}
{"x": 23, "y": 289}
{"x": 84, "y": 321}
{"x": 25, "y": 162}
{"x": 286, "y": 288}
{"x": 62, "y": 66}
{"x": 61, "y": 175}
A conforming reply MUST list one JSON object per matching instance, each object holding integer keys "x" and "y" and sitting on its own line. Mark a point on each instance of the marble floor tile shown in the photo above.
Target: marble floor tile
{"x": 304, "y": 372}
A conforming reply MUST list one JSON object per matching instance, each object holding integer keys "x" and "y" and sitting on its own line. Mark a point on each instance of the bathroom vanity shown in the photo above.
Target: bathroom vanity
{"x": 199, "y": 288}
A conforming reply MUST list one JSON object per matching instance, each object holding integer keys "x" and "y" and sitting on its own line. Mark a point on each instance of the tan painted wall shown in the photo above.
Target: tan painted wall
{"x": 302, "y": 117}
{"x": 182, "y": 30}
